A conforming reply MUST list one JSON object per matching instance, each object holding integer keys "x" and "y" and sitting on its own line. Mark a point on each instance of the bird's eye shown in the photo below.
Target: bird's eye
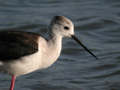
{"x": 66, "y": 28}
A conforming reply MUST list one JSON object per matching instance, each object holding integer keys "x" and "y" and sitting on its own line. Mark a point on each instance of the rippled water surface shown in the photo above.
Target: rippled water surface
{"x": 97, "y": 24}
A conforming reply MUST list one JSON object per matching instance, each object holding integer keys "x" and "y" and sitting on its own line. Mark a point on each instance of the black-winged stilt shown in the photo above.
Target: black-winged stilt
{"x": 25, "y": 52}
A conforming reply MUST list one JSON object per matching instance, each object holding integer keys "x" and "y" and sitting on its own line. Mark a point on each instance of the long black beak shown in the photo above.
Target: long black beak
{"x": 77, "y": 40}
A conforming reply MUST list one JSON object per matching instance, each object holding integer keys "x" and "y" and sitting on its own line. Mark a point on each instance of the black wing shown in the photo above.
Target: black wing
{"x": 14, "y": 45}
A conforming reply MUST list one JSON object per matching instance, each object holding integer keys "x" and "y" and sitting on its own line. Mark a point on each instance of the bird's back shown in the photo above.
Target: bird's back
{"x": 15, "y": 44}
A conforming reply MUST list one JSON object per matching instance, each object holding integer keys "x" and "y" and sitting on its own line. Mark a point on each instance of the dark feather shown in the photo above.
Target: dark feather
{"x": 15, "y": 44}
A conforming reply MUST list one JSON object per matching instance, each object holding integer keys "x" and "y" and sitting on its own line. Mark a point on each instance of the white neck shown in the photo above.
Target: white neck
{"x": 53, "y": 50}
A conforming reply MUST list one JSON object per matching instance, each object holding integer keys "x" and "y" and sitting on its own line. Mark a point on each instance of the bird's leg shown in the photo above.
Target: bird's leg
{"x": 12, "y": 82}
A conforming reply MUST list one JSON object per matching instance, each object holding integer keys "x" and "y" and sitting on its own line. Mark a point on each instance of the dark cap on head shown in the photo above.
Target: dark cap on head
{"x": 58, "y": 17}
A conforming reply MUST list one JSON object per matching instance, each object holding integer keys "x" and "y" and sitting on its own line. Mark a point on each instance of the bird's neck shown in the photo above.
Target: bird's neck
{"x": 54, "y": 46}
{"x": 56, "y": 43}
{"x": 55, "y": 39}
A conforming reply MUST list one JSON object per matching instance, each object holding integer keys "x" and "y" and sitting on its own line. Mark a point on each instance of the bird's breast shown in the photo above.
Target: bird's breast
{"x": 50, "y": 55}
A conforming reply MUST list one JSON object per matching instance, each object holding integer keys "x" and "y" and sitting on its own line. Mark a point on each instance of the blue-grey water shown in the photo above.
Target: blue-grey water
{"x": 97, "y": 25}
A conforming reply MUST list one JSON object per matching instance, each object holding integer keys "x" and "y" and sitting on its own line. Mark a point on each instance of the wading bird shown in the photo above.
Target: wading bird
{"x": 24, "y": 52}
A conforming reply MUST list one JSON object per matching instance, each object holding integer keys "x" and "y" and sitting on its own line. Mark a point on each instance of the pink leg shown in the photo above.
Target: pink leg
{"x": 12, "y": 82}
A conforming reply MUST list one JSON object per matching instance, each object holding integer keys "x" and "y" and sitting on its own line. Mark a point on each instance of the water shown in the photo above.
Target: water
{"x": 97, "y": 24}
